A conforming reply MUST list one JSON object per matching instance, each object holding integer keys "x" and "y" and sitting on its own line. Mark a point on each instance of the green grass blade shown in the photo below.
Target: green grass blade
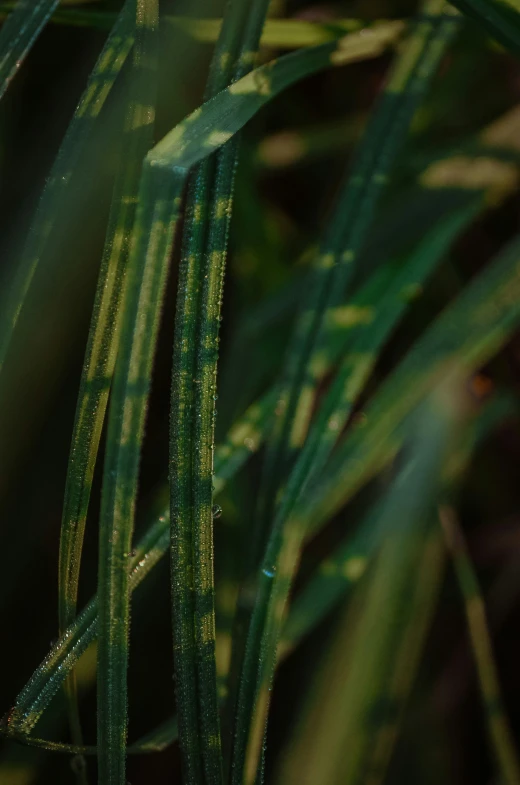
{"x": 199, "y": 514}
{"x": 18, "y": 34}
{"x": 499, "y": 730}
{"x": 334, "y": 267}
{"x": 102, "y": 343}
{"x": 39, "y": 242}
{"x": 195, "y": 681}
{"x": 115, "y": 540}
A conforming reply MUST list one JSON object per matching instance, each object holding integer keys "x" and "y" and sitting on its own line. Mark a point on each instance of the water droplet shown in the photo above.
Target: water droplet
{"x": 216, "y": 511}
{"x": 269, "y": 571}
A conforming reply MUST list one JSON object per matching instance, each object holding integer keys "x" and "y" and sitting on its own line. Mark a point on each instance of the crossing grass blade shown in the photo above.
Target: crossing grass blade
{"x": 277, "y": 33}
{"x": 499, "y": 730}
{"x": 52, "y": 203}
{"x": 338, "y": 256}
{"x": 365, "y": 658}
{"x": 18, "y": 33}
{"x": 102, "y": 343}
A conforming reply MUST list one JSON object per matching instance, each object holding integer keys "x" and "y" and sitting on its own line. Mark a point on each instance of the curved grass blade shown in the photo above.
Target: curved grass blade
{"x": 499, "y": 729}
{"x": 277, "y": 33}
{"x": 102, "y": 342}
{"x": 336, "y": 263}
{"x": 18, "y": 34}
{"x": 39, "y": 242}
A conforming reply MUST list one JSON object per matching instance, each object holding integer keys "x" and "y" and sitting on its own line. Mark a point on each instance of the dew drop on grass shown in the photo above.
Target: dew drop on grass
{"x": 269, "y": 571}
{"x": 216, "y": 511}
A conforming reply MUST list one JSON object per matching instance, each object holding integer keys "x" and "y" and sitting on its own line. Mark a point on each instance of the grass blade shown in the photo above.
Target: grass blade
{"x": 39, "y": 242}
{"x": 500, "y": 19}
{"x": 115, "y": 540}
{"x": 102, "y": 342}
{"x": 499, "y": 730}
{"x": 18, "y": 33}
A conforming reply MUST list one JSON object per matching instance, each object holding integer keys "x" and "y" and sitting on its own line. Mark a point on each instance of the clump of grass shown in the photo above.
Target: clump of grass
{"x": 364, "y": 419}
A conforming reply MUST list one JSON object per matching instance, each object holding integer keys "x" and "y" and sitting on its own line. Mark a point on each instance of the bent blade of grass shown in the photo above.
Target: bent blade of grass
{"x": 338, "y": 256}
{"x": 102, "y": 342}
{"x": 365, "y": 658}
{"x": 18, "y": 34}
{"x": 39, "y": 242}
{"x": 499, "y": 730}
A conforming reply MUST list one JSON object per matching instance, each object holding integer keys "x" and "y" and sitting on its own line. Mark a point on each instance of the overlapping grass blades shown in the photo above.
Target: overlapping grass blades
{"x": 406, "y": 85}
{"x": 18, "y": 34}
{"x": 163, "y": 177}
{"x": 339, "y": 251}
{"x": 465, "y": 335}
{"x": 365, "y": 658}
{"x": 192, "y": 414}
{"x": 103, "y": 337}
{"x": 53, "y": 200}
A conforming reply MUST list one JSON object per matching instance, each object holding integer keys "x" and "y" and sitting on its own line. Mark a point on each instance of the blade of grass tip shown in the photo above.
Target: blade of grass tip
{"x": 193, "y": 707}
{"x": 499, "y": 730}
{"x": 102, "y": 342}
{"x": 364, "y": 661}
{"x": 99, "y": 85}
{"x": 406, "y": 85}
{"x": 18, "y": 34}
{"x": 203, "y": 412}
{"x": 336, "y": 263}
{"x": 115, "y": 541}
